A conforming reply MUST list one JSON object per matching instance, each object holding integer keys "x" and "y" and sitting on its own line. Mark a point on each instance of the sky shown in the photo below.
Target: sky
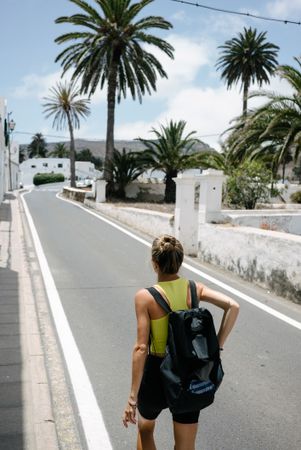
{"x": 193, "y": 91}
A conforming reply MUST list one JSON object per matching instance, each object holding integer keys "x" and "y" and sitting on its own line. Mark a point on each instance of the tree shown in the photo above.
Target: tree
{"x": 60, "y": 151}
{"x": 248, "y": 184}
{"x": 111, "y": 48}
{"x": 171, "y": 152}
{"x": 38, "y": 147}
{"x": 273, "y": 131}
{"x": 247, "y": 59}
{"x": 67, "y": 108}
{"x": 126, "y": 167}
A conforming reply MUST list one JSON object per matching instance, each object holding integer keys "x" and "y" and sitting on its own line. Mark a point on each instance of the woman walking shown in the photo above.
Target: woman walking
{"x": 147, "y": 393}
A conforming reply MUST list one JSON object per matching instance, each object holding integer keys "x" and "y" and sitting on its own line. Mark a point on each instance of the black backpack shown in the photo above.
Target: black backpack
{"x": 191, "y": 369}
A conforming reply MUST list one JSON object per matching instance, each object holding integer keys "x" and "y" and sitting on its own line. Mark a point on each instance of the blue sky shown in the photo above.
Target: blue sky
{"x": 193, "y": 92}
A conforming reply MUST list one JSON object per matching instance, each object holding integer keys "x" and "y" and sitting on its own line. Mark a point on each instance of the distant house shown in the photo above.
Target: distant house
{"x": 30, "y": 167}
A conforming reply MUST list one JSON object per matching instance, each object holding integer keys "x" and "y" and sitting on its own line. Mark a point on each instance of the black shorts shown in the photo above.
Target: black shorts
{"x": 151, "y": 397}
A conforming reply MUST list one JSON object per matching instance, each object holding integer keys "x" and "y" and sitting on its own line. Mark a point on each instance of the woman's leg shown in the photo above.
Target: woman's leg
{"x": 185, "y": 435}
{"x": 145, "y": 440}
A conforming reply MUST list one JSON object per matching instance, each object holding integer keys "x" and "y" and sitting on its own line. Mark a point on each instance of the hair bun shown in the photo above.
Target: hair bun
{"x": 168, "y": 243}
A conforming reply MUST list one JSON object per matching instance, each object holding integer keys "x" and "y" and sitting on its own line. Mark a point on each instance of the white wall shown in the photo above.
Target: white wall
{"x": 270, "y": 259}
{"x": 288, "y": 222}
{"x": 2, "y": 149}
{"x": 150, "y": 222}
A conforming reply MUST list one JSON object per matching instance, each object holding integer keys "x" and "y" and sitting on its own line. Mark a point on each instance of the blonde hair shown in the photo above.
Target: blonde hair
{"x": 168, "y": 253}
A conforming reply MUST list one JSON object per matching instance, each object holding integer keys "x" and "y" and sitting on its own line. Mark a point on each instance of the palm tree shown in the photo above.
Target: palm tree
{"x": 126, "y": 167}
{"x": 60, "y": 151}
{"x": 67, "y": 108}
{"x": 110, "y": 48}
{"x": 171, "y": 152}
{"x": 273, "y": 131}
{"x": 247, "y": 59}
{"x": 38, "y": 147}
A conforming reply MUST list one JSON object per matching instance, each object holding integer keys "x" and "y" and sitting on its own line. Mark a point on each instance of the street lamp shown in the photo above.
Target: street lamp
{"x": 9, "y": 128}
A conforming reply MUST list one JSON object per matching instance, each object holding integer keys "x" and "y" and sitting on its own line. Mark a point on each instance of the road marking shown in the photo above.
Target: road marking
{"x": 92, "y": 420}
{"x": 226, "y": 287}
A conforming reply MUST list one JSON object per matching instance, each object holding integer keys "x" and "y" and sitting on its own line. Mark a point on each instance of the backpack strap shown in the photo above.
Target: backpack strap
{"x": 159, "y": 299}
{"x": 194, "y": 298}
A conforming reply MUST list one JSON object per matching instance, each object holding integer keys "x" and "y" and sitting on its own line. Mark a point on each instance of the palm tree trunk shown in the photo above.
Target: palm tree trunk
{"x": 111, "y": 99}
{"x": 72, "y": 153}
{"x": 245, "y": 98}
{"x": 170, "y": 186}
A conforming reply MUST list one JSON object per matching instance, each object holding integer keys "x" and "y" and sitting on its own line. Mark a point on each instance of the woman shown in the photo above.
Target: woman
{"x": 147, "y": 394}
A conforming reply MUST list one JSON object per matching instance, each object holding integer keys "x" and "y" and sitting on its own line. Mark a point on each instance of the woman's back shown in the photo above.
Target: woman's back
{"x": 176, "y": 294}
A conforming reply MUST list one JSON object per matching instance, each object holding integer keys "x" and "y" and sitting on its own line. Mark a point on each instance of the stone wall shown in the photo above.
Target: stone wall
{"x": 270, "y": 259}
{"x": 147, "y": 191}
{"x": 288, "y": 222}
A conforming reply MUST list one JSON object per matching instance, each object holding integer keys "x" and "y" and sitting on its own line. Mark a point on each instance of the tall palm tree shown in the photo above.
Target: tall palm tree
{"x": 67, "y": 108}
{"x": 109, "y": 49}
{"x": 38, "y": 147}
{"x": 247, "y": 59}
{"x": 171, "y": 152}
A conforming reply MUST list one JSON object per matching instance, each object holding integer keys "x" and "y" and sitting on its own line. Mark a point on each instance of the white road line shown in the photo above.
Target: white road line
{"x": 226, "y": 287}
{"x": 92, "y": 421}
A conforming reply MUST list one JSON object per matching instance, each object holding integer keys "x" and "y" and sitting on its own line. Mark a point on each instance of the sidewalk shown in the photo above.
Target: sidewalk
{"x": 26, "y": 420}
{"x": 35, "y": 406}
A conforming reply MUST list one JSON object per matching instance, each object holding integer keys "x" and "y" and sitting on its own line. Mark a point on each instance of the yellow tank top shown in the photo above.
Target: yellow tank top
{"x": 176, "y": 293}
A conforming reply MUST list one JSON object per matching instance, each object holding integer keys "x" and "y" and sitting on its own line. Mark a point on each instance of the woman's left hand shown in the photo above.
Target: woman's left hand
{"x": 129, "y": 415}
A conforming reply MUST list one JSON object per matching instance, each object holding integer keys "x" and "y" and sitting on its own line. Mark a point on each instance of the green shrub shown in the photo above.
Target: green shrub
{"x": 296, "y": 197}
{"x": 43, "y": 178}
{"x": 248, "y": 184}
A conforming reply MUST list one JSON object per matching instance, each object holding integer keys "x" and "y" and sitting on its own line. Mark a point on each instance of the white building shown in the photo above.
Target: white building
{"x": 6, "y": 166}
{"x": 30, "y": 167}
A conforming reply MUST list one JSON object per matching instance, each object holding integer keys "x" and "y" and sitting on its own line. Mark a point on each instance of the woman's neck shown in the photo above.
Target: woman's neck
{"x": 167, "y": 276}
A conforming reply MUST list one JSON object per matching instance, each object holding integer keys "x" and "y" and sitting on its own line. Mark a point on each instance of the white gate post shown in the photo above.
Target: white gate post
{"x": 210, "y": 203}
{"x": 186, "y": 225}
{"x": 101, "y": 191}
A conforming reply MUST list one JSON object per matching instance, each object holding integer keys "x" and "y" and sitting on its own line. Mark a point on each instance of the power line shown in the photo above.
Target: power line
{"x": 228, "y": 11}
{"x": 46, "y": 135}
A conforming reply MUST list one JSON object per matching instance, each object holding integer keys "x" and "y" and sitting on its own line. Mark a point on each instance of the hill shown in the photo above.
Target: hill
{"x": 98, "y": 148}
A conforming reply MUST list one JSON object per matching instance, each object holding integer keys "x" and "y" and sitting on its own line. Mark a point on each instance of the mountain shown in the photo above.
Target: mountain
{"x": 98, "y": 148}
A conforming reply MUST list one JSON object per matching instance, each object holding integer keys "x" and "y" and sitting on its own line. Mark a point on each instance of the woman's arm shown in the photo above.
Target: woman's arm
{"x": 230, "y": 307}
{"x": 139, "y": 355}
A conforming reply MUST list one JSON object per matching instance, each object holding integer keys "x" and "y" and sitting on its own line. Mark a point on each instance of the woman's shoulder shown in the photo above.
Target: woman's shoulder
{"x": 143, "y": 295}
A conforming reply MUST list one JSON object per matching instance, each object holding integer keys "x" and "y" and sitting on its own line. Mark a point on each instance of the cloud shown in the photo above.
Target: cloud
{"x": 189, "y": 57}
{"x": 285, "y": 9}
{"x": 37, "y": 87}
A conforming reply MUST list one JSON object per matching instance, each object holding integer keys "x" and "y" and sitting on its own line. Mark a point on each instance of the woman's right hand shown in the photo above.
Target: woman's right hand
{"x": 129, "y": 415}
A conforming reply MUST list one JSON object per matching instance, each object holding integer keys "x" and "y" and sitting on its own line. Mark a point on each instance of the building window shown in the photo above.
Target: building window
{"x": 45, "y": 164}
{"x": 60, "y": 165}
{"x": 33, "y": 166}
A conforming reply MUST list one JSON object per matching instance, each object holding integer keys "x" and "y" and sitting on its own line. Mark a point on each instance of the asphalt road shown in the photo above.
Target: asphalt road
{"x": 97, "y": 269}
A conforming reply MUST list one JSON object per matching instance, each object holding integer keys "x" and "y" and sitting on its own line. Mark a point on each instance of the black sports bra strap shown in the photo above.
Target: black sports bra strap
{"x": 194, "y": 298}
{"x": 159, "y": 299}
